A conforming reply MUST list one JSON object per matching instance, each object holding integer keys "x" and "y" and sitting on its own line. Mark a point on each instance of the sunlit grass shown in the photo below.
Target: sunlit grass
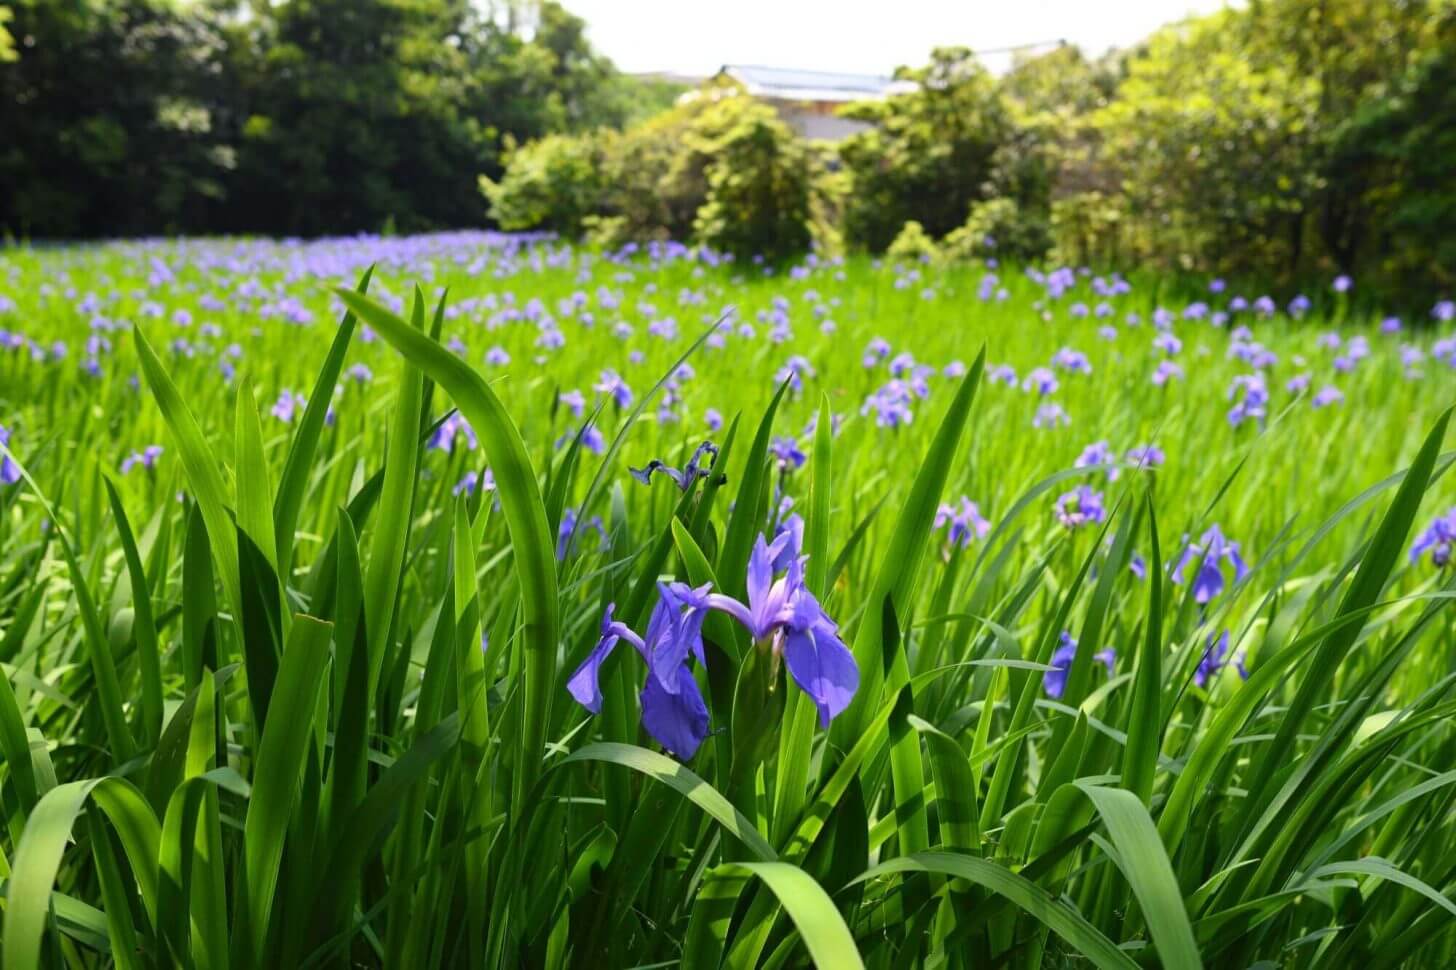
{"x": 293, "y": 691}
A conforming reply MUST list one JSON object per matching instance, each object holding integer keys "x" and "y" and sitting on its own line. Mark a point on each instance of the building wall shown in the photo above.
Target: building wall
{"x": 810, "y": 123}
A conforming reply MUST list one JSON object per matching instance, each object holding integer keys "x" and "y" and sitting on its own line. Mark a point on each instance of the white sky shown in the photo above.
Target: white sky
{"x": 863, "y": 36}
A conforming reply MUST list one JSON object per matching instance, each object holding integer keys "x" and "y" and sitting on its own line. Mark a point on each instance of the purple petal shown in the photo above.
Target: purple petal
{"x": 823, "y": 668}
{"x": 1209, "y": 582}
{"x": 585, "y": 684}
{"x": 678, "y": 721}
{"x": 760, "y": 573}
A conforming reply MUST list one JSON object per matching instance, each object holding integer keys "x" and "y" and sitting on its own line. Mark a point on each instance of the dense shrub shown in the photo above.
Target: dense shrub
{"x": 912, "y": 244}
{"x": 999, "y": 227}
{"x": 555, "y": 183}
{"x": 289, "y": 117}
{"x": 759, "y": 178}
{"x": 720, "y": 167}
{"x": 929, "y": 155}
{"x": 1086, "y": 228}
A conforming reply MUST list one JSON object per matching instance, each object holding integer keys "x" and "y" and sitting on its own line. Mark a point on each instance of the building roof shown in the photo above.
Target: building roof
{"x": 788, "y": 84}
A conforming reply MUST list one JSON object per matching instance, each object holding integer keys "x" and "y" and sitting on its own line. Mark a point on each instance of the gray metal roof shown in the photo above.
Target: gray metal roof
{"x": 790, "y": 84}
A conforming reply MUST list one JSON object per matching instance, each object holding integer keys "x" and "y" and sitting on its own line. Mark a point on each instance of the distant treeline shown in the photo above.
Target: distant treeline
{"x": 1289, "y": 140}
{"x": 127, "y": 117}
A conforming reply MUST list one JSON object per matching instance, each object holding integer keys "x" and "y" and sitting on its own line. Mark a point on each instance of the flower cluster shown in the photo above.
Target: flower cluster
{"x": 700, "y": 465}
{"x": 1054, "y": 681}
{"x": 1210, "y": 553}
{"x": 1437, "y": 539}
{"x": 1215, "y": 658}
{"x": 146, "y": 458}
{"x": 782, "y": 616}
{"x": 965, "y": 521}
{"x": 9, "y": 471}
{"x": 1081, "y": 506}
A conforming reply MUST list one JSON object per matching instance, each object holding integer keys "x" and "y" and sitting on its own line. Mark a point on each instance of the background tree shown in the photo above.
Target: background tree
{"x": 111, "y": 119}
{"x": 930, "y": 153}
{"x": 1213, "y": 155}
{"x": 1403, "y": 144}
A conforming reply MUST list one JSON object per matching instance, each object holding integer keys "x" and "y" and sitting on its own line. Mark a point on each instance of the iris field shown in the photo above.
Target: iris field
{"x": 469, "y": 600}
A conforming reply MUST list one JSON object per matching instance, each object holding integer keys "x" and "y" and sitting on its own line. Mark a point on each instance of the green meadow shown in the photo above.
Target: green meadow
{"x": 1094, "y": 622}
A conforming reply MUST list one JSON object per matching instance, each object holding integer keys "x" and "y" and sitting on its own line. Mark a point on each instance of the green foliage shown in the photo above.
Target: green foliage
{"x": 912, "y": 245}
{"x": 999, "y": 227}
{"x": 304, "y": 116}
{"x": 113, "y": 118}
{"x": 1215, "y": 153}
{"x": 556, "y": 182}
{"x": 315, "y": 713}
{"x": 759, "y": 179}
{"x": 719, "y": 167}
{"x": 928, "y": 156}
{"x": 1086, "y": 230}
{"x": 7, "y": 42}
{"x": 1404, "y": 142}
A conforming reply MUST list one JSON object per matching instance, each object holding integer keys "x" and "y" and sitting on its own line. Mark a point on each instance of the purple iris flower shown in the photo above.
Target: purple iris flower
{"x": 564, "y": 541}
{"x": 1437, "y": 539}
{"x": 713, "y": 418}
{"x": 677, "y": 718}
{"x": 1342, "y": 283}
{"x": 1210, "y": 552}
{"x": 788, "y": 454}
{"x": 1080, "y": 506}
{"x": 1146, "y": 456}
{"x": 611, "y": 384}
{"x": 795, "y": 369}
{"x": 1099, "y": 453}
{"x": 1071, "y": 361}
{"x": 1215, "y": 658}
{"x": 781, "y": 614}
{"x": 1299, "y": 383}
{"x": 1411, "y": 358}
{"x": 1054, "y": 682}
{"x": 890, "y": 405}
{"x": 695, "y": 469}
{"x": 472, "y": 481}
{"x": 1167, "y": 370}
{"x": 1050, "y": 415}
{"x": 287, "y": 405}
{"x": 146, "y": 458}
{"x": 902, "y": 364}
{"x": 574, "y": 401}
{"x": 9, "y": 471}
{"x": 592, "y": 439}
{"x": 452, "y": 428}
{"x": 1252, "y": 399}
{"x": 1042, "y": 380}
{"x": 1326, "y": 396}
{"x": 1001, "y": 374}
{"x": 965, "y": 521}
